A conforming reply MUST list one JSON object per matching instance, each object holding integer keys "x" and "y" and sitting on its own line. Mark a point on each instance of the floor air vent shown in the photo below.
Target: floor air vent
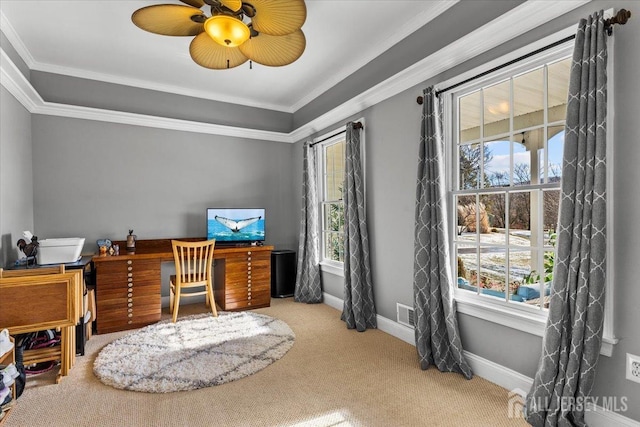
{"x": 405, "y": 315}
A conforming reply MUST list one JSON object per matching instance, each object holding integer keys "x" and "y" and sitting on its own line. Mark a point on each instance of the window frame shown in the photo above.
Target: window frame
{"x": 326, "y": 264}
{"x": 329, "y": 138}
{"x": 518, "y": 316}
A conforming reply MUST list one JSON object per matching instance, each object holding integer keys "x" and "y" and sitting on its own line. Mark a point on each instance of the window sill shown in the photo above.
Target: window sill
{"x": 334, "y": 268}
{"x": 523, "y": 320}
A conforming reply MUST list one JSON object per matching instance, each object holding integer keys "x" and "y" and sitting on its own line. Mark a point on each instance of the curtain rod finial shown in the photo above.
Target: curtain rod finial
{"x": 622, "y": 17}
{"x": 420, "y": 100}
{"x": 619, "y": 18}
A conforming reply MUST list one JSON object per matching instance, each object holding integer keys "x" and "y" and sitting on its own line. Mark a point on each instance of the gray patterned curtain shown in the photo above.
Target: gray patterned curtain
{"x": 308, "y": 285}
{"x": 437, "y": 336}
{"x": 573, "y": 335}
{"x": 359, "y": 310}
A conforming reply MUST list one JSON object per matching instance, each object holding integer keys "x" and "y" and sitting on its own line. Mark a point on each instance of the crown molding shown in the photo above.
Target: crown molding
{"x": 16, "y": 41}
{"x": 145, "y": 84}
{"x": 529, "y": 16}
{"x": 483, "y": 39}
{"x": 412, "y": 25}
{"x": 16, "y": 83}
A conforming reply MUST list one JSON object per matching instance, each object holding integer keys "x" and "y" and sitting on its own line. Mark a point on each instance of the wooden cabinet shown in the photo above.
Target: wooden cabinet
{"x": 7, "y": 359}
{"x": 242, "y": 280}
{"x": 128, "y": 294}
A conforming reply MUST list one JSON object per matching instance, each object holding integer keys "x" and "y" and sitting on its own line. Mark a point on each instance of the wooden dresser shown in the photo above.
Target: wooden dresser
{"x": 128, "y": 286}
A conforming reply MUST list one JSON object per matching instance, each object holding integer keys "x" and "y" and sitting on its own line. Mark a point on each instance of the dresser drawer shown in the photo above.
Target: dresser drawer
{"x": 258, "y": 299}
{"x": 127, "y": 294}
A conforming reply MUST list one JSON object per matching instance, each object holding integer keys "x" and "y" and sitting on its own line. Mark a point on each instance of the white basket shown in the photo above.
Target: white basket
{"x": 60, "y": 251}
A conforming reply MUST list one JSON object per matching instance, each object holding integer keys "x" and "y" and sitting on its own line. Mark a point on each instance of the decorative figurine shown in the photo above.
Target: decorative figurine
{"x": 29, "y": 249}
{"x": 131, "y": 241}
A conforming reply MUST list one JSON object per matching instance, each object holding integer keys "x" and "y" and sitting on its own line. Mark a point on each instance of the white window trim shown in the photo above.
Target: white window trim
{"x": 527, "y": 319}
{"x": 333, "y": 267}
{"x": 330, "y": 266}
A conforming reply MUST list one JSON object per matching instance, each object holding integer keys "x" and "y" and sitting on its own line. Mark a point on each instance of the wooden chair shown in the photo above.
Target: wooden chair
{"x": 193, "y": 270}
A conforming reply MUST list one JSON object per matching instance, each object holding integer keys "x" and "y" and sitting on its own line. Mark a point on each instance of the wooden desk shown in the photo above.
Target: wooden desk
{"x": 128, "y": 286}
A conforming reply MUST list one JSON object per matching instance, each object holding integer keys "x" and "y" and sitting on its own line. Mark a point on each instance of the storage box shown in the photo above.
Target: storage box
{"x": 60, "y": 251}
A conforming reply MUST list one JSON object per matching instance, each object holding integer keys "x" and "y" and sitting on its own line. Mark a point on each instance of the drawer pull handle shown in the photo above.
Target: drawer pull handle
{"x": 129, "y": 294}
{"x": 129, "y": 262}
{"x": 130, "y": 285}
{"x": 129, "y": 274}
{"x": 130, "y": 310}
{"x": 130, "y": 305}
{"x": 129, "y": 279}
{"x": 129, "y": 321}
{"x": 129, "y": 268}
{"x": 249, "y": 253}
{"x": 130, "y": 300}
{"x": 130, "y": 315}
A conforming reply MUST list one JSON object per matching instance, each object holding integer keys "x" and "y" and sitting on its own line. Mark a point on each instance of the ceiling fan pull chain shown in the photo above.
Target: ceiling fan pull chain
{"x": 227, "y": 63}
{"x": 250, "y": 64}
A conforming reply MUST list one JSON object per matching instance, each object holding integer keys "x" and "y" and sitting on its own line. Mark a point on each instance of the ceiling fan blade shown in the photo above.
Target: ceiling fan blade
{"x": 278, "y": 17}
{"x": 274, "y": 51}
{"x": 168, "y": 20}
{"x": 194, "y": 3}
{"x": 209, "y": 54}
{"x": 234, "y": 5}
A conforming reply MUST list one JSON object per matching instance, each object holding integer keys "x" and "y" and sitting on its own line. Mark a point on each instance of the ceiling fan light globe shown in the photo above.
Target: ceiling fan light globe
{"x": 227, "y": 30}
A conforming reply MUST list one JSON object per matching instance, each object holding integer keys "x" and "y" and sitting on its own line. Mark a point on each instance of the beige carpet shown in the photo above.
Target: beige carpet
{"x": 331, "y": 377}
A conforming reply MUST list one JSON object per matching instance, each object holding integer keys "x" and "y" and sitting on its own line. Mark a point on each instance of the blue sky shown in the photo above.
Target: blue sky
{"x": 500, "y": 152}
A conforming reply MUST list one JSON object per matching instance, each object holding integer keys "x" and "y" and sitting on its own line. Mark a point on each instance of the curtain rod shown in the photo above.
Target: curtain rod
{"x": 621, "y": 18}
{"x": 356, "y": 125}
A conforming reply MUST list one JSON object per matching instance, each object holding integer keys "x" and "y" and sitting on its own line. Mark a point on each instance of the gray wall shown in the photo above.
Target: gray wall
{"x": 392, "y": 135}
{"x": 16, "y": 177}
{"x": 98, "y": 180}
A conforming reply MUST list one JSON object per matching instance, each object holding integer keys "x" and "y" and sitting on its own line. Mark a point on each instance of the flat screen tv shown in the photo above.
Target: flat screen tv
{"x": 236, "y": 225}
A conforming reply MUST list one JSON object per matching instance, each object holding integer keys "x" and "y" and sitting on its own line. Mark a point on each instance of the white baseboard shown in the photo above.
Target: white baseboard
{"x": 491, "y": 371}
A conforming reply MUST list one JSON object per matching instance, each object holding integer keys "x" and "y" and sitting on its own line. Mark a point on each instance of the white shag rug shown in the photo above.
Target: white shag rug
{"x": 195, "y": 352}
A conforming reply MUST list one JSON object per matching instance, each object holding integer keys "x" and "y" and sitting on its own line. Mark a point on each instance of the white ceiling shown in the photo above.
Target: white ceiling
{"x": 97, "y": 40}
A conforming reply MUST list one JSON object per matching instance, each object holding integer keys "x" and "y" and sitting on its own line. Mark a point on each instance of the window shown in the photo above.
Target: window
{"x": 508, "y": 155}
{"x": 505, "y": 133}
{"x": 506, "y": 136}
{"x": 332, "y": 161}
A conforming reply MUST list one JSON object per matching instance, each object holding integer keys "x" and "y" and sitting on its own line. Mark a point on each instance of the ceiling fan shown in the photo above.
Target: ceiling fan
{"x": 264, "y": 31}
